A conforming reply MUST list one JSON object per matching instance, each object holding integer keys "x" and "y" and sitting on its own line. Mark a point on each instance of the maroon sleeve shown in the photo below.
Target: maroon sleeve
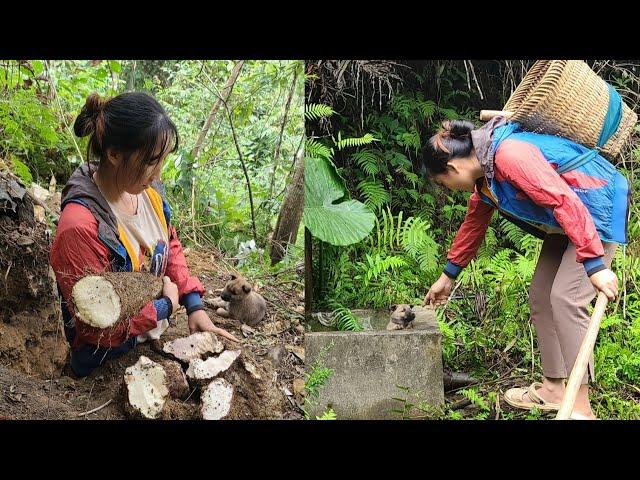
{"x": 76, "y": 252}
{"x": 472, "y": 231}
{"x": 177, "y": 269}
{"x": 524, "y": 166}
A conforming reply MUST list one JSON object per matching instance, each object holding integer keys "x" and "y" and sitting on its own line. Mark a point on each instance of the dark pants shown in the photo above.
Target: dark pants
{"x": 87, "y": 358}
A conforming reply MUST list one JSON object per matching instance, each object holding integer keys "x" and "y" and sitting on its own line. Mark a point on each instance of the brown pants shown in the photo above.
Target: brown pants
{"x": 559, "y": 294}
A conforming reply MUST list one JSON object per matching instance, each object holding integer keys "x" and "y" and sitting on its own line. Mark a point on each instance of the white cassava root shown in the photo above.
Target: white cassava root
{"x": 216, "y": 400}
{"x": 194, "y": 346}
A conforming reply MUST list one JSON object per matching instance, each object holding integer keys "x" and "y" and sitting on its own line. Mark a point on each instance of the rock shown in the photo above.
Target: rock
{"x": 252, "y": 369}
{"x": 276, "y": 353}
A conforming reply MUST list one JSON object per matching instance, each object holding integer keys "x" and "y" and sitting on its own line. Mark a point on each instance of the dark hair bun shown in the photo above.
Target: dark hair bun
{"x": 458, "y": 128}
{"x": 452, "y": 141}
{"x": 85, "y": 123}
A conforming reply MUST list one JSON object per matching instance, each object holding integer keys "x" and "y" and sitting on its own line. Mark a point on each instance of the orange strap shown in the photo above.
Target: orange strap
{"x": 156, "y": 201}
{"x": 487, "y": 191}
{"x": 135, "y": 264}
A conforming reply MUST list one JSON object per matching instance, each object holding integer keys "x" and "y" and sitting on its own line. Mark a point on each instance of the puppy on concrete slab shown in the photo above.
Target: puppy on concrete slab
{"x": 402, "y": 317}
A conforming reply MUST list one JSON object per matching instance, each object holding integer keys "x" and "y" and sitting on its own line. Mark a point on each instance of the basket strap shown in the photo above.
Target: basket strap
{"x": 613, "y": 117}
{"x": 609, "y": 127}
{"x": 578, "y": 161}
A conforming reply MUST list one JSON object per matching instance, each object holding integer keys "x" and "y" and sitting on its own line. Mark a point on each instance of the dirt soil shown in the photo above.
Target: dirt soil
{"x": 34, "y": 383}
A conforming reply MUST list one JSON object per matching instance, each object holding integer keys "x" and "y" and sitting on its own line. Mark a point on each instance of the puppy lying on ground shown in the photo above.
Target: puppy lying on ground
{"x": 239, "y": 302}
{"x": 401, "y": 318}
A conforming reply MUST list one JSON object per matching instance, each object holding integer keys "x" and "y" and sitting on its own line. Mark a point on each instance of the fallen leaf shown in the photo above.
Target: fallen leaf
{"x": 298, "y": 386}
{"x": 510, "y": 345}
{"x": 296, "y": 350}
{"x": 247, "y": 330}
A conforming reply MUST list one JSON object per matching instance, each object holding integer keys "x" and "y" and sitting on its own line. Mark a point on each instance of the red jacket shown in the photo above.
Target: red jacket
{"x": 77, "y": 250}
{"x": 528, "y": 177}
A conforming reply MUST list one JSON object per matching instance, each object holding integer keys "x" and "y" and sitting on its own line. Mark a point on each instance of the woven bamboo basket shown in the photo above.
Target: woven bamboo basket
{"x": 567, "y": 98}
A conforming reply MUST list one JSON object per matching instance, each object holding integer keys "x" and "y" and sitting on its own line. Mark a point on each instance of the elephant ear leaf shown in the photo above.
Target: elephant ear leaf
{"x": 327, "y": 214}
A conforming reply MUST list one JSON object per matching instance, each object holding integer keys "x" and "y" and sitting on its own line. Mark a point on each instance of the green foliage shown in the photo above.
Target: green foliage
{"x": 375, "y": 194}
{"x": 208, "y": 194}
{"x": 22, "y": 171}
{"x": 341, "y": 223}
{"x": 391, "y": 266}
{"x": 329, "y": 414}
{"x": 368, "y": 161}
{"x": 486, "y": 326}
{"x": 315, "y": 149}
{"x": 316, "y": 377}
{"x": 315, "y": 111}
{"x": 345, "y": 320}
{"x": 343, "y": 143}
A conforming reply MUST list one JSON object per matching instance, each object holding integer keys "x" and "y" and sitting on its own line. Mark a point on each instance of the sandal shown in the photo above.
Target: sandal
{"x": 533, "y": 394}
{"x": 515, "y": 398}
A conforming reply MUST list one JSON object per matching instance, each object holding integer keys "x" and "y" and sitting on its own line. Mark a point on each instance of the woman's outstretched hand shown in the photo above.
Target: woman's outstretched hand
{"x": 439, "y": 291}
{"x": 199, "y": 321}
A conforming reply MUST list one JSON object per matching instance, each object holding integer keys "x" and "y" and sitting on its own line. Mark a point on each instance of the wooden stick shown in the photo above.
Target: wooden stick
{"x": 580, "y": 366}
{"x": 95, "y": 409}
{"x": 486, "y": 115}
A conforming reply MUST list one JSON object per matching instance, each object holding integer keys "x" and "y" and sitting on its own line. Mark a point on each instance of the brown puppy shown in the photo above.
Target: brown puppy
{"x": 401, "y": 318}
{"x": 238, "y": 301}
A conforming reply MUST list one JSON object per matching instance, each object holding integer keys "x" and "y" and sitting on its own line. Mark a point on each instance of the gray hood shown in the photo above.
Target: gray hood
{"x": 482, "y": 139}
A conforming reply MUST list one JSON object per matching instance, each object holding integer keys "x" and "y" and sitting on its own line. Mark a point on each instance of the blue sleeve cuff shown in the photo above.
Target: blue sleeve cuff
{"x": 593, "y": 265}
{"x": 452, "y": 270}
{"x": 191, "y": 300}
{"x": 162, "y": 308}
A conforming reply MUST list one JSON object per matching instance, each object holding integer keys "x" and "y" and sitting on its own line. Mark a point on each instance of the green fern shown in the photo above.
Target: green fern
{"x": 514, "y": 233}
{"x": 368, "y": 160}
{"x": 427, "y": 109}
{"x": 374, "y": 192}
{"x": 448, "y": 113}
{"x": 409, "y": 139}
{"x": 402, "y": 106}
{"x": 419, "y": 244}
{"x": 472, "y": 395}
{"x": 376, "y": 265}
{"x": 488, "y": 247}
{"x": 316, "y": 111}
{"x": 410, "y": 176}
{"x": 388, "y": 236}
{"x": 315, "y": 149}
{"x": 354, "y": 141}
{"x": 345, "y": 320}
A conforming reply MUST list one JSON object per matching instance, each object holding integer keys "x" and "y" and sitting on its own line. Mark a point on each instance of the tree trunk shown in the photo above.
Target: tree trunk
{"x": 226, "y": 91}
{"x": 290, "y": 213}
{"x": 224, "y": 95}
{"x": 308, "y": 272}
{"x": 284, "y": 123}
